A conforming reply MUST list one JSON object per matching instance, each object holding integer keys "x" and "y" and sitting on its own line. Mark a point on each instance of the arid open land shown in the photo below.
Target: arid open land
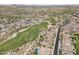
{"x": 39, "y": 30}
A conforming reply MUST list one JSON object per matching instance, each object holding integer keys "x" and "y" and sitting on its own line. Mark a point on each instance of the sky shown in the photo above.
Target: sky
{"x": 40, "y": 2}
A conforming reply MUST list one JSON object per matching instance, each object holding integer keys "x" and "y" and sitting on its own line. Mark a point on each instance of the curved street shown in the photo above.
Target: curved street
{"x": 58, "y": 43}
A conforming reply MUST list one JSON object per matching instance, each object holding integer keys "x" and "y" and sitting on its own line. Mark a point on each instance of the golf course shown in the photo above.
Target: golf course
{"x": 21, "y": 38}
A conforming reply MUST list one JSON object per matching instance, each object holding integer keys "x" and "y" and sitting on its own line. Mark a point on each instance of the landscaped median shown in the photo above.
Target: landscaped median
{"x": 26, "y": 36}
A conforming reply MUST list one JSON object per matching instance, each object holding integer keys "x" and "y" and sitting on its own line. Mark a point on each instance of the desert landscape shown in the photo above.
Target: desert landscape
{"x": 39, "y": 30}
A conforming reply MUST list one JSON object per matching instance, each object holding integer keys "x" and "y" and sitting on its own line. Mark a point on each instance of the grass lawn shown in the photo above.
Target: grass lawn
{"x": 76, "y": 43}
{"x": 23, "y": 37}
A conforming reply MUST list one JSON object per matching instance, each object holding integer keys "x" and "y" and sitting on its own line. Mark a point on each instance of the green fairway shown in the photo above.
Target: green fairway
{"x": 23, "y": 37}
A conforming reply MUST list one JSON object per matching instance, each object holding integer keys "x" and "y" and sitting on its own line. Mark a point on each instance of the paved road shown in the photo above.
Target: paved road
{"x": 58, "y": 43}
